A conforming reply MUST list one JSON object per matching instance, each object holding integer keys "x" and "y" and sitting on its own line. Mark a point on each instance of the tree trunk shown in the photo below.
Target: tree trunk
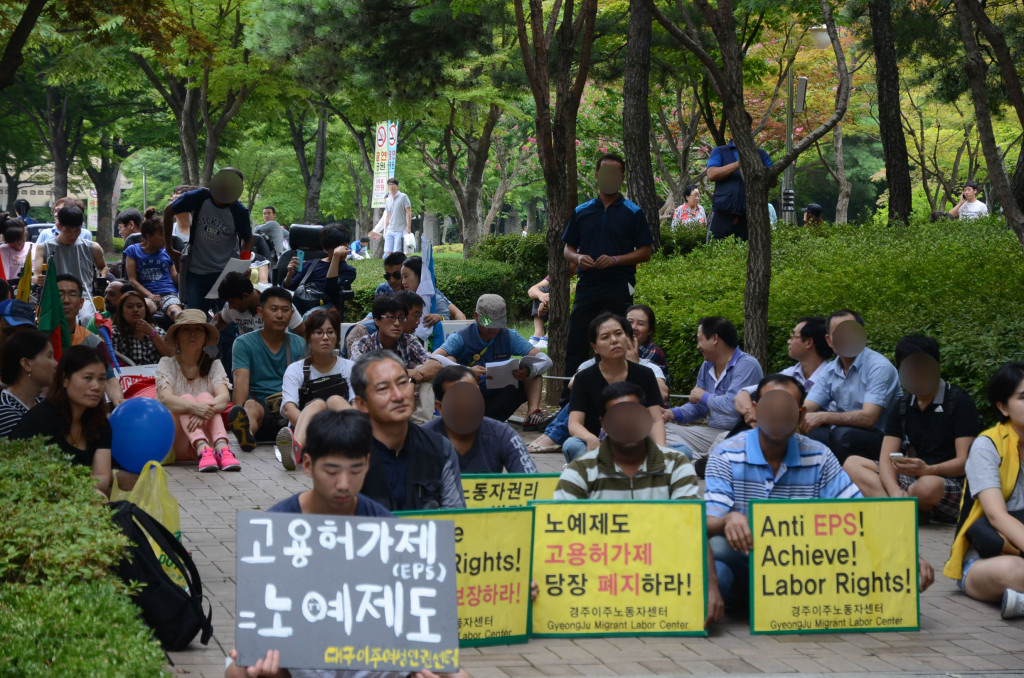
{"x": 60, "y": 171}
{"x": 514, "y": 223}
{"x": 431, "y": 228}
{"x": 13, "y": 183}
{"x": 843, "y": 201}
{"x": 976, "y": 69}
{"x": 890, "y": 123}
{"x": 759, "y": 270}
{"x": 636, "y": 115}
{"x": 316, "y": 176}
{"x": 531, "y": 215}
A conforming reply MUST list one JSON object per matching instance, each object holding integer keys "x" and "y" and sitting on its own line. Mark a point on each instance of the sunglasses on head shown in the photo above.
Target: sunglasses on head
{"x": 397, "y": 275}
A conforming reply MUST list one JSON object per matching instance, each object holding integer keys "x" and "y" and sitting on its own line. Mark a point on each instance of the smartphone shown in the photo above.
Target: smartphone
{"x": 301, "y": 256}
{"x": 897, "y": 456}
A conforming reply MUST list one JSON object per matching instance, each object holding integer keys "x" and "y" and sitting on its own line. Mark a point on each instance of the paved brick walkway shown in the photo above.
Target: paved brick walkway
{"x": 958, "y": 635}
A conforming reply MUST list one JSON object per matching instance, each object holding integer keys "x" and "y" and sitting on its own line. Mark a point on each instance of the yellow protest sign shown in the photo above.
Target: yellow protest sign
{"x": 492, "y": 563}
{"x": 619, "y": 568}
{"x": 496, "y": 490}
{"x": 834, "y": 566}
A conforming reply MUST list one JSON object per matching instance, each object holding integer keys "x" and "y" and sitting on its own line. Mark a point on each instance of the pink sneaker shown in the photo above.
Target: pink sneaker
{"x": 207, "y": 460}
{"x": 227, "y": 461}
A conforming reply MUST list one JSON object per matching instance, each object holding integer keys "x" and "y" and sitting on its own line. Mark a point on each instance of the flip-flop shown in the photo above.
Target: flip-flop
{"x": 534, "y": 448}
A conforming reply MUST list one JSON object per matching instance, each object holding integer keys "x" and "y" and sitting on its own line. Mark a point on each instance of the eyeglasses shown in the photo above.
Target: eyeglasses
{"x": 397, "y": 275}
{"x": 325, "y": 333}
{"x": 393, "y": 318}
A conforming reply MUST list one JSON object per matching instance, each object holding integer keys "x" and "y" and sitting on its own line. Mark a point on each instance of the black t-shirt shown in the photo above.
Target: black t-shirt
{"x": 933, "y": 432}
{"x": 587, "y": 387}
{"x": 44, "y": 420}
{"x": 594, "y": 230}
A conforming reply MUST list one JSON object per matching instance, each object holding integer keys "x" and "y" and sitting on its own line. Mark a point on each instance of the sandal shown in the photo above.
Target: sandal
{"x": 535, "y": 421}
{"x": 534, "y": 448}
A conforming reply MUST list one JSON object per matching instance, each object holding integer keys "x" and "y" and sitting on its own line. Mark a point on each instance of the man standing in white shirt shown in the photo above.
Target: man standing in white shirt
{"x": 397, "y": 216}
{"x": 969, "y": 206}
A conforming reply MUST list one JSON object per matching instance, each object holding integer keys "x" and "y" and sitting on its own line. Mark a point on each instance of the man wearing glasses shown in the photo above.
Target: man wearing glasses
{"x": 410, "y": 468}
{"x": 389, "y": 315}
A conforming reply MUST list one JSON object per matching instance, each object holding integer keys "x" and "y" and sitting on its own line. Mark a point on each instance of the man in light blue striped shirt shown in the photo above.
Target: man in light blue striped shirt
{"x": 771, "y": 461}
{"x": 726, "y": 370}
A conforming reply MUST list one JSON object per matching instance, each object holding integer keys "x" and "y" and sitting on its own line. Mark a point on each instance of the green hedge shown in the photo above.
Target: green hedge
{"x": 65, "y": 613}
{"x": 527, "y": 254}
{"x": 959, "y": 281}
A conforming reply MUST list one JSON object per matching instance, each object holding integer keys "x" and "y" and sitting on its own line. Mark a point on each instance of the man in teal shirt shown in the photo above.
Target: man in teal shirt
{"x": 259, "y": 360}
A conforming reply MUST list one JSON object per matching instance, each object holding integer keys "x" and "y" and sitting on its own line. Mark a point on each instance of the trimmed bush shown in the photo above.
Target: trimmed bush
{"x": 528, "y": 255}
{"x": 681, "y": 240}
{"x": 959, "y": 281}
{"x": 65, "y": 613}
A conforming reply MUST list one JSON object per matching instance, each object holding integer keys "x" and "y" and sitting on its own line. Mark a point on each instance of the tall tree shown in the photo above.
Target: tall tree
{"x": 205, "y": 80}
{"x": 976, "y": 71}
{"x": 890, "y": 121}
{"x": 727, "y": 41}
{"x": 557, "y": 47}
{"x": 102, "y": 164}
{"x": 636, "y": 114}
{"x": 313, "y": 110}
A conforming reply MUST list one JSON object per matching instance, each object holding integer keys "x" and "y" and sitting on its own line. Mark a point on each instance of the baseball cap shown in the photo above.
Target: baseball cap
{"x": 491, "y": 313}
{"x": 814, "y": 209}
{"x": 17, "y": 312}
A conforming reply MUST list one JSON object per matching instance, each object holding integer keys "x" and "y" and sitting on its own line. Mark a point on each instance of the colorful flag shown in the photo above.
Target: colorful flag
{"x": 52, "y": 320}
{"x": 25, "y": 284}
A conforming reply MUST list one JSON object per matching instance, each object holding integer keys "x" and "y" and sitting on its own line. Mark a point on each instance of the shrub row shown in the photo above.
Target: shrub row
{"x": 959, "y": 281}
{"x": 64, "y": 612}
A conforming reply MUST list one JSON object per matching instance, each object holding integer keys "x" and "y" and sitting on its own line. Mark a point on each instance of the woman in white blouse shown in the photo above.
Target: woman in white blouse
{"x": 194, "y": 387}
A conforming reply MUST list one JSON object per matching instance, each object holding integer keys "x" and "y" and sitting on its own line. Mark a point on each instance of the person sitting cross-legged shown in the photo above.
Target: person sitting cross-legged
{"x": 927, "y": 437}
{"x": 259, "y": 361}
{"x": 771, "y": 461}
{"x": 848, "y": 406}
{"x": 985, "y": 559}
{"x": 726, "y": 370}
{"x": 490, "y": 340}
{"x": 484, "y": 445}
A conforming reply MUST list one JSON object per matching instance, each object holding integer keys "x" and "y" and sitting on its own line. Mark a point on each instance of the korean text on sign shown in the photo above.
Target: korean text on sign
{"x": 619, "y": 568}
{"x": 497, "y": 490}
{"x": 346, "y": 593}
{"x": 834, "y": 566}
{"x": 492, "y": 561}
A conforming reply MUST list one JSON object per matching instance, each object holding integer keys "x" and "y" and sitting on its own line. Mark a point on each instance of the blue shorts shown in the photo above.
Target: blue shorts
{"x": 961, "y": 583}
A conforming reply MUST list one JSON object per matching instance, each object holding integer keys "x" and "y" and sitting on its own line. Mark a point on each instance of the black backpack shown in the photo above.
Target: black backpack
{"x": 174, "y": 614}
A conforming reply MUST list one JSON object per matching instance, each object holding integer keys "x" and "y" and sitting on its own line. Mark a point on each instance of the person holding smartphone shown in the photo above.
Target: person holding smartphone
{"x": 969, "y": 206}
{"x": 927, "y": 437}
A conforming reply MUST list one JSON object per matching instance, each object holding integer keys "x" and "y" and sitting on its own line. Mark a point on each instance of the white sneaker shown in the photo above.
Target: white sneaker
{"x": 542, "y": 344}
{"x": 283, "y": 448}
{"x": 533, "y": 340}
{"x": 1013, "y": 604}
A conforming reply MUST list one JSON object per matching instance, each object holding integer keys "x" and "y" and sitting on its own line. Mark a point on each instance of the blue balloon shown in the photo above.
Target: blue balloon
{"x": 143, "y": 431}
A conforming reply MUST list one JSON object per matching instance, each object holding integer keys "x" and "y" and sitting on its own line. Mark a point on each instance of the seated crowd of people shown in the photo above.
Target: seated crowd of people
{"x": 380, "y": 422}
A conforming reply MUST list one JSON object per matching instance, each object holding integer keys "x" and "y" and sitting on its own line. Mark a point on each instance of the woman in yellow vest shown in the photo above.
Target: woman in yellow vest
{"x": 986, "y": 555}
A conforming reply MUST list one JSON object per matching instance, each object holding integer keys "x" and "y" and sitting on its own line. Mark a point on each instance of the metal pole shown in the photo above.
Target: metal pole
{"x": 787, "y": 176}
{"x": 144, "y": 205}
